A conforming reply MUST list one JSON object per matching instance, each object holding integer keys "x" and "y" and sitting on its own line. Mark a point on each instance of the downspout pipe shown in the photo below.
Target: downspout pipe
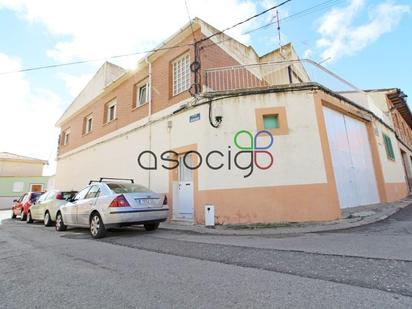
{"x": 149, "y": 101}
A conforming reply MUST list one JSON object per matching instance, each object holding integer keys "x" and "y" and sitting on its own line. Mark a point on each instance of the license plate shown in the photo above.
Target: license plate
{"x": 149, "y": 202}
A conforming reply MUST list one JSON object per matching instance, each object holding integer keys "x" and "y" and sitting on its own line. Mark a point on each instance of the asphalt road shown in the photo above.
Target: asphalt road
{"x": 131, "y": 268}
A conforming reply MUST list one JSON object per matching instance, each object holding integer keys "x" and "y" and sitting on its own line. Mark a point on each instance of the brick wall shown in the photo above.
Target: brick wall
{"x": 211, "y": 56}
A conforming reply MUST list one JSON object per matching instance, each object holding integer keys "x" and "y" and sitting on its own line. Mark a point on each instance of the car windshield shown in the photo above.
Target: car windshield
{"x": 126, "y": 188}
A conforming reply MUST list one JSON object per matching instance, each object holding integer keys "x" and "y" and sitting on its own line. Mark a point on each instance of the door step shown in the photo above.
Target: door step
{"x": 183, "y": 221}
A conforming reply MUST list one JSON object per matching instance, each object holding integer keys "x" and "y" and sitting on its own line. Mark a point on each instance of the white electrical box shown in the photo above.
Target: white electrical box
{"x": 209, "y": 215}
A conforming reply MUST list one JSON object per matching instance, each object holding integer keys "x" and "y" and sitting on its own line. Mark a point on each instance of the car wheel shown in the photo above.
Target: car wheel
{"x": 151, "y": 226}
{"x": 47, "y": 219}
{"x": 97, "y": 229}
{"x": 29, "y": 218}
{"x": 13, "y": 215}
{"x": 22, "y": 216}
{"x": 60, "y": 226}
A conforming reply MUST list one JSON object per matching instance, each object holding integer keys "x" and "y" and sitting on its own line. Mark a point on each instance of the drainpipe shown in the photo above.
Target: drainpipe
{"x": 149, "y": 99}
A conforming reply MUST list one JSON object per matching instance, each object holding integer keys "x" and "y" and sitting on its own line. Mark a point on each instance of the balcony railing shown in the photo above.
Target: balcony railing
{"x": 283, "y": 73}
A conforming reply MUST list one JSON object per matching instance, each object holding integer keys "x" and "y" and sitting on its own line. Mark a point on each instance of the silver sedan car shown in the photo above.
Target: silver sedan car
{"x": 107, "y": 203}
{"x": 46, "y": 207}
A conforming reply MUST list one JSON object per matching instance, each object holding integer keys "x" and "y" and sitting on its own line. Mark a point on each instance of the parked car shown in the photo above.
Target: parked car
{"x": 22, "y": 205}
{"x": 112, "y": 203}
{"x": 46, "y": 207}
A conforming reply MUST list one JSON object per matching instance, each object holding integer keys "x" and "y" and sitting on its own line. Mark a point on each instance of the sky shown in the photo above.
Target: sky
{"x": 367, "y": 42}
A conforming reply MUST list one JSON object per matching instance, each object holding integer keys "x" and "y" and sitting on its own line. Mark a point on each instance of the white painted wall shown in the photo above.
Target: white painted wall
{"x": 298, "y": 155}
{"x": 393, "y": 171}
{"x": 15, "y": 168}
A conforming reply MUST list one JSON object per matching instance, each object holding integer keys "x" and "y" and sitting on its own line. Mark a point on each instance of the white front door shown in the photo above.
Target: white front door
{"x": 183, "y": 190}
{"x": 351, "y": 159}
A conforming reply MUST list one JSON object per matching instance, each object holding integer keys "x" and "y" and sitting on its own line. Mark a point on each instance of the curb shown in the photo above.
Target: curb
{"x": 343, "y": 224}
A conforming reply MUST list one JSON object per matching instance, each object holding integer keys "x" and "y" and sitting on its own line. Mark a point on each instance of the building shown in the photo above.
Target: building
{"x": 19, "y": 174}
{"x": 327, "y": 145}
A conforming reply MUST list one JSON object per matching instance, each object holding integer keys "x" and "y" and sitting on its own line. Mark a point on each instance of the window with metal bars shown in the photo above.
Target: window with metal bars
{"x": 181, "y": 74}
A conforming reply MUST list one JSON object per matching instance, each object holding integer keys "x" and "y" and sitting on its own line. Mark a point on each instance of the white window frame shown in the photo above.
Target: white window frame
{"x": 181, "y": 74}
{"x": 139, "y": 88}
{"x": 109, "y": 106}
{"x": 18, "y": 186}
{"x": 66, "y": 137}
{"x": 87, "y": 129}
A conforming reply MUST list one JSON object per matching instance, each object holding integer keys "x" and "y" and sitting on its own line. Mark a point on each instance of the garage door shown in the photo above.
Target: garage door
{"x": 352, "y": 160}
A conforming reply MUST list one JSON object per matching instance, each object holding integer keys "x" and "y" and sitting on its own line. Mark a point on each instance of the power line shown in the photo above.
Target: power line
{"x": 93, "y": 60}
{"x": 190, "y": 21}
{"x": 318, "y": 7}
{"x": 146, "y": 51}
{"x": 246, "y": 20}
{"x": 321, "y": 6}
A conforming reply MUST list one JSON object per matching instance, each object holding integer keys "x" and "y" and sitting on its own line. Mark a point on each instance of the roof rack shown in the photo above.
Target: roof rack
{"x": 102, "y": 179}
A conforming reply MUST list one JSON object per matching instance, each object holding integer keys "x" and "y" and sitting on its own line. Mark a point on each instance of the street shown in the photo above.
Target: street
{"x": 364, "y": 267}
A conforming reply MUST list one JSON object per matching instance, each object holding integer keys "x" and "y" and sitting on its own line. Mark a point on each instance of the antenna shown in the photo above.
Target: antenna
{"x": 278, "y": 23}
{"x": 279, "y": 35}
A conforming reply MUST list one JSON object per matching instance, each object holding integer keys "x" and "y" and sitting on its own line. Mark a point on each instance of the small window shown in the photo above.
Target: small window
{"x": 34, "y": 197}
{"x": 43, "y": 197}
{"x": 88, "y": 124}
{"x": 36, "y": 187}
{"x": 388, "y": 147}
{"x": 93, "y": 193}
{"x": 181, "y": 74}
{"x": 25, "y": 198}
{"x": 66, "y": 137}
{"x": 22, "y": 198}
{"x": 111, "y": 111}
{"x": 18, "y": 186}
{"x": 142, "y": 95}
{"x": 51, "y": 196}
{"x": 270, "y": 122}
{"x": 82, "y": 194}
{"x": 272, "y": 119}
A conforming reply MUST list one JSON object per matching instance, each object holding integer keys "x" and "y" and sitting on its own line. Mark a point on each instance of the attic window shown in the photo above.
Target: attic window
{"x": 181, "y": 74}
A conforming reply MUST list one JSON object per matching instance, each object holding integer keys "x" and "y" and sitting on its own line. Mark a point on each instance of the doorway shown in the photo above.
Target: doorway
{"x": 351, "y": 159}
{"x": 183, "y": 189}
{"x": 408, "y": 178}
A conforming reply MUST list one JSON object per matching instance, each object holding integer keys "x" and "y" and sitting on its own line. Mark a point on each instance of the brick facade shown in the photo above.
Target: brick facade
{"x": 212, "y": 56}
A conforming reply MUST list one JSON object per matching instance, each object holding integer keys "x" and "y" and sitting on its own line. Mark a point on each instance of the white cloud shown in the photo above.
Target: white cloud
{"x": 98, "y": 29}
{"x": 307, "y": 54}
{"x": 75, "y": 83}
{"x": 89, "y": 30}
{"x": 28, "y": 115}
{"x": 341, "y": 37}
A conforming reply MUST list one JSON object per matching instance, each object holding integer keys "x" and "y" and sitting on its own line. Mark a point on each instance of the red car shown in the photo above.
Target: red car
{"x": 22, "y": 205}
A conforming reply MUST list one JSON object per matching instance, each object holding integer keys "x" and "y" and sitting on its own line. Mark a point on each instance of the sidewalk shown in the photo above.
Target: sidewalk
{"x": 5, "y": 214}
{"x": 351, "y": 217}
